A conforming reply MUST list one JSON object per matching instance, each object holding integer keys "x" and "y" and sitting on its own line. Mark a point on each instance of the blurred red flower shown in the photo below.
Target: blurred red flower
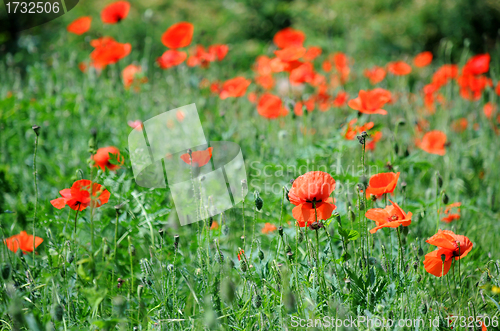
{"x": 234, "y": 88}
{"x": 199, "y": 158}
{"x": 171, "y": 58}
{"x": 115, "y": 12}
{"x": 290, "y": 53}
{"x": 130, "y": 76}
{"x": 22, "y": 241}
{"x": 422, "y": 59}
{"x": 178, "y": 35}
{"x": 488, "y": 109}
{"x": 375, "y": 74}
{"x": 103, "y": 156}
{"x": 107, "y": 51}
{"x": 433, "y": 142}
{"x": 78, "y": 196}
{"x": 270, "y": 106}
{"x": 312, "y": 53}
{"x": 341, "y": 99}
{"x": 477, "y": 65}
{"x": 289, "y": 37}
{"x": 268, "y": 227}
{"x": 399, "y": 68}
{"x": 80, "y": 25}
{"x": 371, "y": 102}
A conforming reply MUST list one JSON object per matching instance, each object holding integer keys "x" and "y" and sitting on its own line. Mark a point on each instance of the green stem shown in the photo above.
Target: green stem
{"x": 36, "y": 193}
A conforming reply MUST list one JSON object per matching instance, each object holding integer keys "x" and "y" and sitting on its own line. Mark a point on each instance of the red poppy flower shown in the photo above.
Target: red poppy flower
{"x": 108, "y": 51}
{"x": 423, "y": 59}
{"x": 115, "y": 12}
{"x": 78, "y": 196}
{"x": 399, "y": 68}
{"x": 433, "y": 142}
{"x": 375, "y": 138}
{"x": 375, "y": 74}
{"x": 326, "y": 65}
{"x": 444, "y": 74}
{"x": 271, "y": 106}
{"x": 302, "y": 74}
{"x": 137, "y": 125}
{"x": 340, "y": 99}
{"x": 235, "y": 88}
{"x": 290, "y": 53}
{"x": 266, "y": 82}
{"x": 80, "y": 25}
{"x": 450, "y": 245}
{"x": 289, "y": 37}
{"x": 103, "y": 156}
{"x": 371, "y": 102}
{"x": 450, "y": 217}
{"x": 220, "y": 51}
{"x": 200, "y": 57}
{"x": 199, "y": 158}
{"x": 489, "y": 109}
{"x": 178, "y": 35}
{"x": 130, "y": 76}
{"x": 341, "y": 62}
{"x": 298, "y": 109}
{"x": 171, "y": 58}
{"x": 460, "y": 125}
{"x": 389, "y": 217}
{"x": 310, "y": 193}
{"x": 382, "y": 183}
{"x": 22, "y": 241}
{"x": 312, "y": 53}
{"x": 477, "y": 65}
{"x": 472, "y": 87}
{"x": 268, "y": 227}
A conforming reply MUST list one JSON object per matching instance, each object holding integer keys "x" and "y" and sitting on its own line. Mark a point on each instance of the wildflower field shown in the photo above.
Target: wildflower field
{"x": 370, "y": 202}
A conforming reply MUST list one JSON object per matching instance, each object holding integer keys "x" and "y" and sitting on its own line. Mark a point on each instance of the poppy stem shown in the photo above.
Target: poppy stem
{"x": 76, "y": 218}
{"x": 35, "y": 173}
{"x": 400, "y": 251}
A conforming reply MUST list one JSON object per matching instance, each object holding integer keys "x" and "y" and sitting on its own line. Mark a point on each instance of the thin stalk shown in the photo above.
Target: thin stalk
{"x": 35, "y": 128}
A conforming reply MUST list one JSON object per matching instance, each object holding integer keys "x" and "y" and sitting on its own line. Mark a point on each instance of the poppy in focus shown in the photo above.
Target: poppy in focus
{"x": 178, "y": 35}
{"x": 199, "y": 158}
{"x": 389, "y": 217}
{"x": 22, "y": 241}
{"x": 310, "y": 193}
{"x": 80, "y": 25}
{"x": 108, "y": 157}
{"x": 371, "y": 102}
{"x": 78, "y": 196}
{"x": 115, "y": 12}
{"x": 450, "y": 245}
{"x": 382, "y": 183}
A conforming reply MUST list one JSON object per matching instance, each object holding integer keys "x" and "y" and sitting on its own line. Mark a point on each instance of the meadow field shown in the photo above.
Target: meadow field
{"x": 371, "y": 197}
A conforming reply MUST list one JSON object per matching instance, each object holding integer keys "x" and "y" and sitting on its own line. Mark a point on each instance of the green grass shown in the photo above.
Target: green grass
{"x": 70, "y": 286}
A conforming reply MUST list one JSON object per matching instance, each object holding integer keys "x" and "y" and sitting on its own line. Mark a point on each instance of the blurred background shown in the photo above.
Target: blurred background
{"x": 361, "y": 28}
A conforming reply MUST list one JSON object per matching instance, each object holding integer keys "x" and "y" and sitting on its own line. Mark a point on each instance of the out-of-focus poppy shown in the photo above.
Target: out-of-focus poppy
{"x": 422, "y": 59}
{"x": 444, "y": 74}
{"x": 108, "y": 157}
{"x": 137, "y": 125}
{"x": 214, "y": 225}
{"x": 78, "y": 196}
{"x": 298, "y": 109}
{"x": 340, "y": 99}
{"x": 382, "y": 183}
{"x": 171, "y": 58}
{"x": 266, "y": 82}
{"x": 234, "y": 88}
{"x": 352, "y": 130}
{"x": 375, "y": 74}
{"x": 108, "y": 51}
{"x": 374, "y": 139}
{"x": 477, "y": 65}
{"x": 399, "y": 68}
{"x": 450, "y": 217}
{"x": 178, "y": 35}
{"x": 488, "y": 109}
{"x": 310, "y": 193}
{"x": 450, "y": 245}
{"x": 270, "y": 106}
{"x": 472, "y": 87}
{"x": 341, "y": 62}
{"x": 460, "y": 125}
{"x": 433, "y": 142}
{"x": 290, "y": 53}
{"x": 268, "y": 227}
{"x": 326, "y": 65}
{"x": 130, "y": 76}
{"x": 312, "y": 53}
{"x": 371, "y": 102}
{"x": 389, "y": 217}
{"x": 115, "y": 12}
{"x": 22, "y": 241}
{"x": 252, "y": 97}
{"x": 80, "y": 25}
{"x": 289, "y": 37}
{"x": 200, "y": 57}
{"x": 220, "y": 51}
{"x": 302, "y": 74}
{"x": 198, "y": 158}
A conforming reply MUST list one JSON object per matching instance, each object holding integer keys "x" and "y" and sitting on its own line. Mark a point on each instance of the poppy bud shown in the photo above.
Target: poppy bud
{"x": 131, "y": 250}
{"x": 290, "y": 256}
{"x": 443, "y": 257}
{"x": 316, "y": 225}
{"x": 373, "y": 197}
{"x": 445, "y": 198}
{"x": 261, "y": 255}
{"x": 362, "y": 205}
{"x": 256, "y": 301}
{"x": 352, "y": 216}
{"x": 396, "y": 148}
{"x": 337, "y": 217}
{"x": 243, "y": 266}
{"x": 420, "y": 251}
{"x": 380, "y": 308}
{"x": 407, "y": 152}
{"x": 176, "y": 239}
{"x": 6, "y": 269}
{"x": 36, "y": 128}
{"x": 439, "y": 180}
{"x": 259, "y": 203}
{"x": 286, "y": 193}
{"x": 280, "y": 231}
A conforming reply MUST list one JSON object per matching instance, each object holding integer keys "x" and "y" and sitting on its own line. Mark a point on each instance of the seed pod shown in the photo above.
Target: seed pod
{"x": 131, "y": 250}
{"x": 36, "y": 128}
{"x": 352, "y": 216}
{"x": 439, "y": 180}
{"x": 261, "y": 255}
{"x": 256, "y": 301}
{"x": 396, "y": 148}
{"x": 280, "y": 231}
